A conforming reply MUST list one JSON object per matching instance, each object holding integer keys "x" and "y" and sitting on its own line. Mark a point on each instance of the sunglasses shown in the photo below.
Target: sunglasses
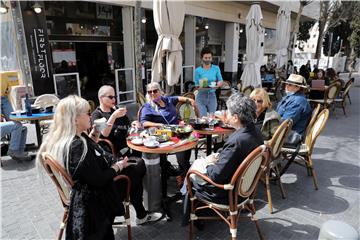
{"x": 258, "y": 101}
{"x": 153, "y": 91}
{"x": 110, "y": 97}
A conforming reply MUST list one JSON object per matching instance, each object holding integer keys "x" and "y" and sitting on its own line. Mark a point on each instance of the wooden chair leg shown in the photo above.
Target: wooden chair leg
{"x": 268, "y": 192}
{"x": 233, "y": 226}
{"x": 277, "y": 172}
{"x": 310, "y": 164}
{"x": 254, "y": 219}
{"x": 343, "y": 107}
{"x": 191, "y": 232}
{"x": 348, "y": 95}
{"x": 63, "y": 224}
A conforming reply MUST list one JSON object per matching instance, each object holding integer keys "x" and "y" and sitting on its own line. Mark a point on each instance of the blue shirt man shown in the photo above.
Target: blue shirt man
{"x": 294, "y": 105}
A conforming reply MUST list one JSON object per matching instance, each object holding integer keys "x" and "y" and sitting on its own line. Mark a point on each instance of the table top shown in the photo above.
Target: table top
{"x": 217, "y": 130}
{"x": 163, "y": 150}
{"x": 34, "y": 116}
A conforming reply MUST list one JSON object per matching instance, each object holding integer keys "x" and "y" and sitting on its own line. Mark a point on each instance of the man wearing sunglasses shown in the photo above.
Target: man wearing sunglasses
{"x": 117, "y": 124}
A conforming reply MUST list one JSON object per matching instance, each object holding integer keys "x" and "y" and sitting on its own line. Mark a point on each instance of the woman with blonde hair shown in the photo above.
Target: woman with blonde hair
{"x": 159, "y": 111}
{"x": 267, "y": 119}
{"x": 95, "y": 199}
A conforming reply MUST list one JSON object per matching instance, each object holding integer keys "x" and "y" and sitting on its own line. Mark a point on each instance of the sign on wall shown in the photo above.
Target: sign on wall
{"x": 38, "y": 48}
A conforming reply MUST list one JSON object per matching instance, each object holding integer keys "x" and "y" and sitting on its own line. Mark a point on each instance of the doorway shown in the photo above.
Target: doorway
{"x": 93, "y": 67}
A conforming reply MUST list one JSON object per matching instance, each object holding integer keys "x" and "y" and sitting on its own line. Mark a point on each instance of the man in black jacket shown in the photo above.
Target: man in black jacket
{"x": 221, "y": 167}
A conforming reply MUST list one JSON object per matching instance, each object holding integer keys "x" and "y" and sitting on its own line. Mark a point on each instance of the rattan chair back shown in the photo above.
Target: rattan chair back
{"x": 247, "y": 90}
{"x": 316, "y": 129}
{"x": 279, "y": 137}
{"x": 315, "y": 112}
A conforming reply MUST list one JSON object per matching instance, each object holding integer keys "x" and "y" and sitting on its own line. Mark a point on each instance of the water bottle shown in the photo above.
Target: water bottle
{"x": 28, "y": 105}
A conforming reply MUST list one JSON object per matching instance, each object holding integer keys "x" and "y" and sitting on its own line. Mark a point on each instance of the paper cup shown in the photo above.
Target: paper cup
{"x": 100, "y": 124}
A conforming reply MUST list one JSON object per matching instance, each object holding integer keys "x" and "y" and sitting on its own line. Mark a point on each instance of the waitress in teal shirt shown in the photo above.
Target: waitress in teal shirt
{"x": 206, "y": 98}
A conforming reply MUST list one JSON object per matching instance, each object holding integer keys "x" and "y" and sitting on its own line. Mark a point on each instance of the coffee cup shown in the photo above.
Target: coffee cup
{"x": 100, "y": 124}
{"x": 213, "y": 84}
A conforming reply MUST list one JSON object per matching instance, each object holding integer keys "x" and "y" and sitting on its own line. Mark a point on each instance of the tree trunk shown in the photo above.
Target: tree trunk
{"x": 295, "y": 31}
{"x": 138, "y": 57}
{"x": 351, "y": 62}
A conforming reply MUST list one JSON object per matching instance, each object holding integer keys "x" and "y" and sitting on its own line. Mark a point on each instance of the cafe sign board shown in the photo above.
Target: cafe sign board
{"x": 38, "y": 49}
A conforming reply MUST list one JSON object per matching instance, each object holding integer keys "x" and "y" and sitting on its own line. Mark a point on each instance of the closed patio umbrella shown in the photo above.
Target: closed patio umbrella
{"x": 168, "y": 20}
{"x": 254, "y": 47}
{"x": 283, "y": 23}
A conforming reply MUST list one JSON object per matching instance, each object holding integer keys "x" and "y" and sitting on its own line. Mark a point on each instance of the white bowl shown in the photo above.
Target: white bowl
{"x": 151, "y": 144}
{"x": 137, "y": 141}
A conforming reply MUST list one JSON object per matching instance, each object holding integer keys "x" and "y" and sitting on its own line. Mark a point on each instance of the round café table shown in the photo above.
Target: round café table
{"x": 153, "y": 198}
{"x": 209, "y": 133}
{"x": 35, "y": 118}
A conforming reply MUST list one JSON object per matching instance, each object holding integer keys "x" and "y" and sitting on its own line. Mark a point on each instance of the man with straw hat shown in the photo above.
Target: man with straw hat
{"x": 294, "y": 105}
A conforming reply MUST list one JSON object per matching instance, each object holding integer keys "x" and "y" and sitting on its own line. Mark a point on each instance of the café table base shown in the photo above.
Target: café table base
{"x": 152, "y": 182}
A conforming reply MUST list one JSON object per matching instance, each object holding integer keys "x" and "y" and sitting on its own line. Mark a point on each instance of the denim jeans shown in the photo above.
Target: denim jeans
{"x": 206, "y": 102}
{"x": 18, "y": 135}
{"x": 6, "y": 107}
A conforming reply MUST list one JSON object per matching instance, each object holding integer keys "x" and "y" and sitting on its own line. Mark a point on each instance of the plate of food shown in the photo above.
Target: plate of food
{"x": 183, "y": 132}
{"x": 162, "y": 138}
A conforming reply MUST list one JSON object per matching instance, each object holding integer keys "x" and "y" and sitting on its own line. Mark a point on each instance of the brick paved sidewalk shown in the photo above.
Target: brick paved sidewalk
{"x": 31, "y": 209}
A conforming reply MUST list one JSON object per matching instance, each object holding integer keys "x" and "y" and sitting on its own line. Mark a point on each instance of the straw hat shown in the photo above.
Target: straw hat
{"x": 296, "y": 80}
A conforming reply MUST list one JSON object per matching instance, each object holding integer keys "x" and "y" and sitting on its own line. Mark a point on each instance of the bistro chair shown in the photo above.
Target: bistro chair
{"x": 351, "y": 81}
{"x": 225, "y": 93}
{"x": 44, "y": 101}
{"x": 132, "y": 109}
{"x": 341, "y": 101}
{"x": 107, "y": 146}
{"x": 92, "y": 105}
{"x": 273, "y": 169}
{"x": 140, "y": 98}
{"x": 247, "y": 90}
{"x": 275, "y": 91}
{"x": 239, "y": 85}
{"x": 331, "y": 92}
{"x": 189, "y": 95}
{"x": 64, "y": 183}
{"x": 303, "y": 157}
{"x": 314, "y": 114}
{"x": 243, "y": 184}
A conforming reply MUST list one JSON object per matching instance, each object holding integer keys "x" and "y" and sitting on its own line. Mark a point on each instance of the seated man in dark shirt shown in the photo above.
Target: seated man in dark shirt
{"x": 221, "y": 167}
{"x": 117, "y": 124}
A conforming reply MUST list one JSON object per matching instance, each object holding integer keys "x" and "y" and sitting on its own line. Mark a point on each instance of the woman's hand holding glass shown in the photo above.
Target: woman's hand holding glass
{"x": 120, "y": 112}
{"x": 95, "y": 133}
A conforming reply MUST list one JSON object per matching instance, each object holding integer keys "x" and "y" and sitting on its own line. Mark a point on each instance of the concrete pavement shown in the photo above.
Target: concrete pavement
{"x": 31, "y": 209}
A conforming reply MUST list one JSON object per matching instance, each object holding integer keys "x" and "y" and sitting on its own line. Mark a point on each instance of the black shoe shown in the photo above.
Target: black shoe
{"x": 173, "y": 171}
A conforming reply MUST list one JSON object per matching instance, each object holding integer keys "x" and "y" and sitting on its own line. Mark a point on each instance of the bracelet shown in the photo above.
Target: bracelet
{"x": 120, "y": 165}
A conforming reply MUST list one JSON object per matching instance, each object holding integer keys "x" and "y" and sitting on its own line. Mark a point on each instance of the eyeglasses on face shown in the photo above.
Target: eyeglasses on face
{"x": 258, "y": 101}
{"x": 110, "y": 97}
{"x": 155, "y": 91}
